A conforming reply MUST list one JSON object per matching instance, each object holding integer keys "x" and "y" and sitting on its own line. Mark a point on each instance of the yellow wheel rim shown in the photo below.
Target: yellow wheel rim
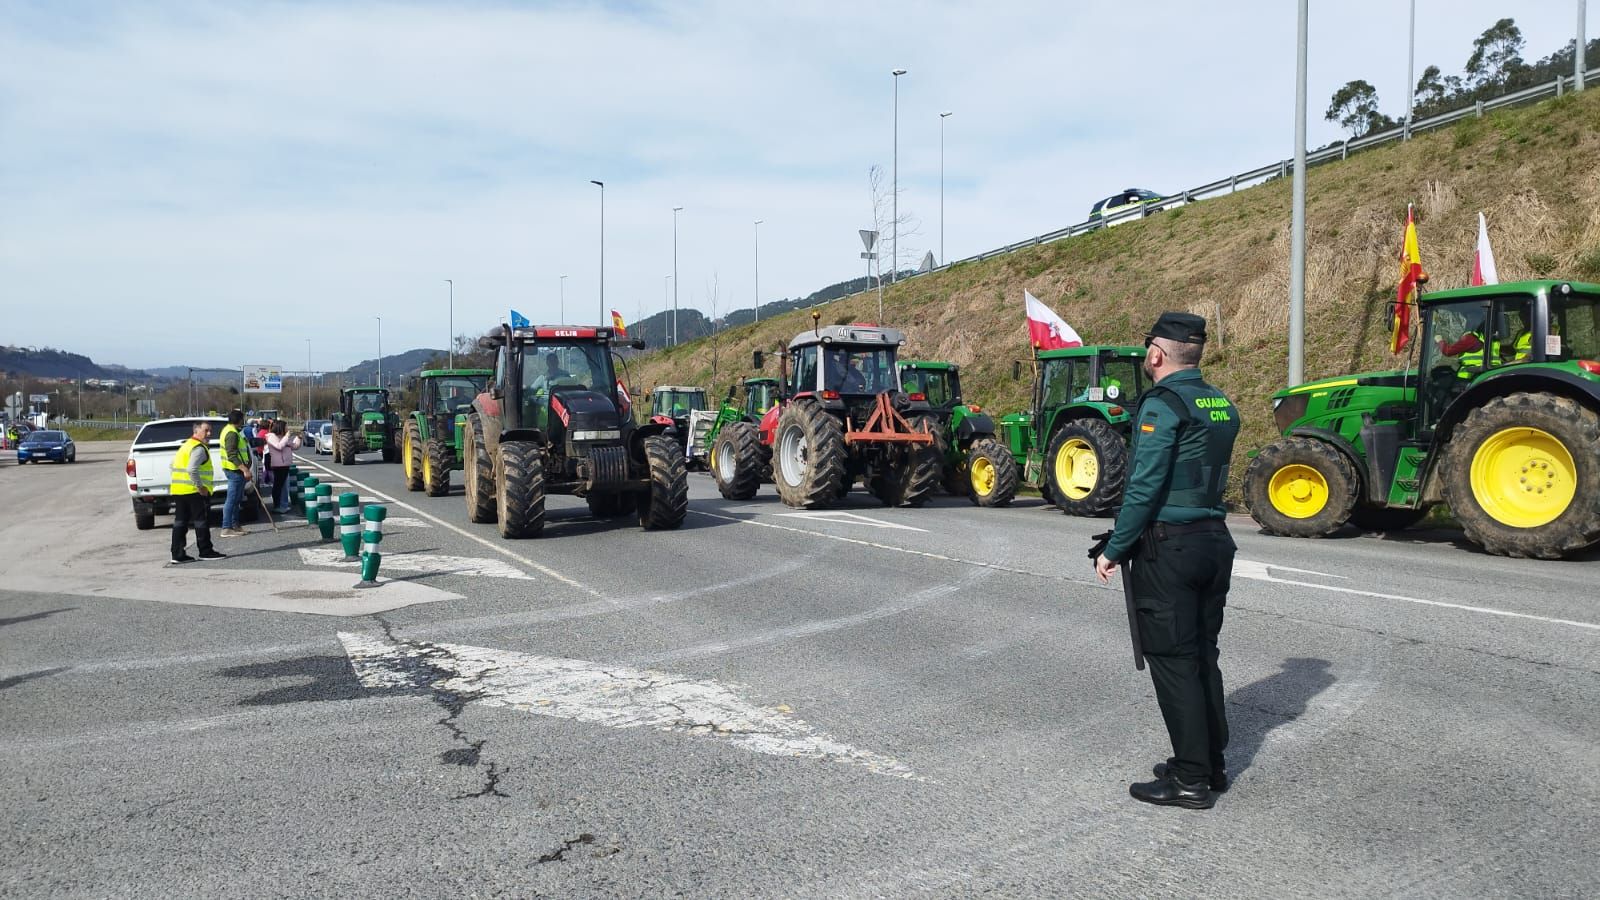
{"x": 408, "y": 458}
{"x": 427, "y": 468}
{"x": 1523, "y": 477}
{"x": 982, "y": 475}
{"x": 1298, "y": 491}
{"x": 711, "y": 458}
{"x": 1077, "y": 468}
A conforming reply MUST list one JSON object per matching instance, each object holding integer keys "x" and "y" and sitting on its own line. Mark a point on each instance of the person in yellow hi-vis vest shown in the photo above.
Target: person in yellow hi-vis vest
{"x": 238, "y": 468}
{"x": 191, "y": 496}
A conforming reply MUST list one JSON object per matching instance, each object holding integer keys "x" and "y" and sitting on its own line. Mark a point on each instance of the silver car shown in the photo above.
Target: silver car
{"x": 325, "y": 438}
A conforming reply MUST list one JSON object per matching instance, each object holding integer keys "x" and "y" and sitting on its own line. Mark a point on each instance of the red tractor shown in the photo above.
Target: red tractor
{"x": 841, "y": 418}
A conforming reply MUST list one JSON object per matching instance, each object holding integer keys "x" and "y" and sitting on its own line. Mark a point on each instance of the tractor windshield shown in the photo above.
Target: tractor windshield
{"x": 451, "y": 394}
{"x": 582, "y": 366}
{"x": 369, "y": 401}
{"x": 676, "y": 403}
{"x": 851, "y": 370}
{"x": 941, "y": 386}
{"x": 1121, "y": 380}
{"x": 1574, "y": 327}
{"x": 759, "y": 397}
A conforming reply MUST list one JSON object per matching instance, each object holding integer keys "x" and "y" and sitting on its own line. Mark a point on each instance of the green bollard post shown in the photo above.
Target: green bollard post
{"x": 325, "y": 510}
{"x": 371, "y": 537}
{"x": 310, "y": 499}
{"x": 294, "y": 486}
{"x": 350, "y": 524}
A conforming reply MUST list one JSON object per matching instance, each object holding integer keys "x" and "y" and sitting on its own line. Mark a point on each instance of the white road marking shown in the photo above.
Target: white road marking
{"x": 848, "y": 518}
{"x": 1257, "y": 571}
{"x": 599, "y": 694}
{"x": 541, "y": 569}
{"x": 275, "y": 590}
{"x": 1249, "y": 568}
{"x": 426, "y": 563}
{"x": 404, "y": 522}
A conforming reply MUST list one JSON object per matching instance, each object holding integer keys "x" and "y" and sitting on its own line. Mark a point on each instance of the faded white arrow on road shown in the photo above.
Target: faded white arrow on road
{"x": 613, "y": 696}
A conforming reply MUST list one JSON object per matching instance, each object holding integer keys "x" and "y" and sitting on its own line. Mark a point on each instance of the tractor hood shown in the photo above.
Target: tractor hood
{"x": 1394, "y": 378}
{"x": 582, "y": 412}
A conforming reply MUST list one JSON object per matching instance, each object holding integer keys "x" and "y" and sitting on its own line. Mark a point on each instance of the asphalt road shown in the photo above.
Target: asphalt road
{"x": 937, "y": 701}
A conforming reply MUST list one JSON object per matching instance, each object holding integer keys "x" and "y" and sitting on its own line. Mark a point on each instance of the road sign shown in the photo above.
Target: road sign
{"x": 38, "y": 398}
{"x": 263, "y": 379}
{"x": 928, "y": 264}
{"x": 868, "y": 238}
{"x": 869, "y": 256}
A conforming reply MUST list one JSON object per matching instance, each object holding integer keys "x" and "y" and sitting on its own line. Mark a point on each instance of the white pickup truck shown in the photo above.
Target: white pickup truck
{"x": 150, "y": 467}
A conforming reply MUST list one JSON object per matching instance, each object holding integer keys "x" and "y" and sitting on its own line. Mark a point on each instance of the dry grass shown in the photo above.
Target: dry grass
{"x": 1535, "y": 172}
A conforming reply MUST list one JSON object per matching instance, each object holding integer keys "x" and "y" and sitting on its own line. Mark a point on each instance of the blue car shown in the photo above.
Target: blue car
{"x": 37, "y": 445}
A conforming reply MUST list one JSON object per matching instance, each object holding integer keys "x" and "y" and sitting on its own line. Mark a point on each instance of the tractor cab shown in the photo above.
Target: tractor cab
{"x": 939, "y": 382}
{"x": 363, "y": 400}
{"x": 760, "y": 395}
{"x": 676, "y": 402}
{"x": 563, "y": 382}
{"x": 846, "y": 367}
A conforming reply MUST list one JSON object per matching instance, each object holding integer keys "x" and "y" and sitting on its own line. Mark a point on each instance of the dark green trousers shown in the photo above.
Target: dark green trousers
{"x": 1180, "y": 586}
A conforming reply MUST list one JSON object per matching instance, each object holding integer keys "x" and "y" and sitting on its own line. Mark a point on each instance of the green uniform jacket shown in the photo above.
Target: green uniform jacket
{"x": 1183, "y": 437}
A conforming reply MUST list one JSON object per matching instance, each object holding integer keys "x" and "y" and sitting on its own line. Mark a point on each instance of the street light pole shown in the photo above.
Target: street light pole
{"x": 602, "y": 185}
{"x": 452, "y": 322}
{"x": 308, "y": 379}
{"x": 1297, "y": 237}
{"x": 1578, "y": 49}
{"x": 675, "y": 211}
{"x": 894, "y": 264}
{"x": 380, "y": 350}
{"x": 1411, "y": 74}
{"x": 758, "y": 268}
{"x": 666, "y": 304}
{"x": 942, "y": 117}
{"x": 563, "y": 284}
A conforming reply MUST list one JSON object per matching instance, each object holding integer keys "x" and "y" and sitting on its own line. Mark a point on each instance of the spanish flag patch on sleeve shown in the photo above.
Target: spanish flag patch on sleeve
{"x": 1147, "y": 427}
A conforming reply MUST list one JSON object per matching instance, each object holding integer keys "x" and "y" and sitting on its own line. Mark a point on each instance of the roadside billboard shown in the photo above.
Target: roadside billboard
{"x": 263, "y": 379}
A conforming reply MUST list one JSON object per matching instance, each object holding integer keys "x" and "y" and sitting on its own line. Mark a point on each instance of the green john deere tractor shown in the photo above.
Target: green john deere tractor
{"x": 1501, "y": 421}
{"x": 759, "y": 395}
{"x": 1073, "y": 443}
{"x": 364, "y": 422}
{"x": 976, "y": 465}
{"x": 430, "y": 444}
{"x": 679, "y": 404}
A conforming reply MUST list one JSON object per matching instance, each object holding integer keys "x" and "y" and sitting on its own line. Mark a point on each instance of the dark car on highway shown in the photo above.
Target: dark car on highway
{"x": 37, "y": 445}
{"x": 1132, "y": 198}
{"x": 308, "y": 435}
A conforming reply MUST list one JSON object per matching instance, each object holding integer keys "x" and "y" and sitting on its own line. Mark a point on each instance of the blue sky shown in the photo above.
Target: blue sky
{"x": 264, "y": 173}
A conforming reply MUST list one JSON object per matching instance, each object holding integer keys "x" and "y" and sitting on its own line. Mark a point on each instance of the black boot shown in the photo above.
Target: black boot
{"x": 1172, "y": 792}
{"x": 1219, "y": 777}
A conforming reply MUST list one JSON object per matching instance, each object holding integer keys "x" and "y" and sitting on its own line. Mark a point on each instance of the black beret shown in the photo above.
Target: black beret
{"x": 1185, "y": 328}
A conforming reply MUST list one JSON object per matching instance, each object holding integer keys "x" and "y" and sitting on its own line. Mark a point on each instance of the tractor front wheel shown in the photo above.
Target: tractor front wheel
{"x": 1522, "y": 476}
{"x": 519, "y": 495}
{"x": 479, "y": 474}
{"x": 991, "y": 473}
{"x": 739, "y": 462}
{"x": 915, "y": 472}
{"x": 436, "y": 458}
{"x": 808, "y": 457}
{"x": 665, "y": 506}
{"x": 1085, "y": 467}
{"x": 411, "y": 456}
{"x": 1300, "y": 487}
{"x": 344, "y": 448}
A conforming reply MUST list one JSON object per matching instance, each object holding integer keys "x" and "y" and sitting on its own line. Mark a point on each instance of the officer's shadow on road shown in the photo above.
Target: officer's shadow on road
{"x": 1282, "y": 697}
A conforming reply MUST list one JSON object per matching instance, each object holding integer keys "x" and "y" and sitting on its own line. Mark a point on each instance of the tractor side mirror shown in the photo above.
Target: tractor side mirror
{"x": 488, "y": 342}
{"x": 496, "y": 393}
{"x": 731, "y": 388}
{"x": 1016, "y": 370}
{"x": 637, "y": 343}
{"x": 758, "y": 359}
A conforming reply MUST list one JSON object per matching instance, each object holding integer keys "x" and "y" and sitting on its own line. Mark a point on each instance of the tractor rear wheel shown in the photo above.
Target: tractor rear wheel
{"x": 1522, "y": 475}
{"x": 738, "y": 461}
{"x": 1387, "y": 518}
{"x": 344, "y": 448}
{"x": 1300, "y": 487}
{"x": 519, "y": 494}
{"x": 665, "y": 506}
{"x": 808, "y": 456}
{"x": 391, "y": 453}
{"x": 916, "y": 472}
{"x": 478, "y": 474}
{"x": 1085, "y": 467}
{"x": 991, "y": 473}
{"x": 436, "y": 459}
{"x": 411, "y": 456}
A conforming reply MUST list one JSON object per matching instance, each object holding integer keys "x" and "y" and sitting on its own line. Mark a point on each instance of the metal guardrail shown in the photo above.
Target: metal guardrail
{"x": 1283, "y": 168}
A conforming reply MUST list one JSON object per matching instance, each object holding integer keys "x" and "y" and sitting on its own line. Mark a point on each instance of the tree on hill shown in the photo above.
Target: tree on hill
{"x": 1496, "y": 55}
{"x": 1355, "y": 108}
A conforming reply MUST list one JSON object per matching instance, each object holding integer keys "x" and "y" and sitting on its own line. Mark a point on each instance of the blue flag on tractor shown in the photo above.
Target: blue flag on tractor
{"x": 518, "y": 320}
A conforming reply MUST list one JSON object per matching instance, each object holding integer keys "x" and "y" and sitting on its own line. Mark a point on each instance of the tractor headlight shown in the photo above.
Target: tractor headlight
{"x": 612, "y": 434}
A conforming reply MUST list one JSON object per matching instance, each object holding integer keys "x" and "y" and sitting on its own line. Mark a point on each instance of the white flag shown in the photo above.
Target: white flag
{"x": 1483, "y": 270}
{"x": 1046, "y": 330}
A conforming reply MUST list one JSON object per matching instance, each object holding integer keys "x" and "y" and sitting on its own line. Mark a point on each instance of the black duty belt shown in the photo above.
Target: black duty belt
{"x": 1164, "y": 530}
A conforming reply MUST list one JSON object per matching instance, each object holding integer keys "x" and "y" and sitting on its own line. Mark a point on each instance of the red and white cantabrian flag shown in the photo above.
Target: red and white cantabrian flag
{"x": 1046, "y": 330}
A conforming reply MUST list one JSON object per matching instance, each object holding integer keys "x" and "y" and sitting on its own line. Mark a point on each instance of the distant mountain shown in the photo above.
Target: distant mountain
{"x": 46, "y": 362}
{"x": 394, "y": 366}
{"x": 201, "y": 376}
{"x": 693, "y": 324}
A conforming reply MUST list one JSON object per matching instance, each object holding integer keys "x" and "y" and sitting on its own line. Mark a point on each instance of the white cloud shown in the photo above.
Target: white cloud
{"x": 299, "y": 169}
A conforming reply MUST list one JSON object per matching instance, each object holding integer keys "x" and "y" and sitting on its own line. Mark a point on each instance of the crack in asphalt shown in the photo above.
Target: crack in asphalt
{"x": 560, "y": 853}
{"x": 427, "y": 678}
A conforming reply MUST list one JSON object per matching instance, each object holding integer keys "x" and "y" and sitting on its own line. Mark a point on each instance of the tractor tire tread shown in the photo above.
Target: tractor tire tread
{"x": 667, "y": 503}
{"x": 1344, "y": 487}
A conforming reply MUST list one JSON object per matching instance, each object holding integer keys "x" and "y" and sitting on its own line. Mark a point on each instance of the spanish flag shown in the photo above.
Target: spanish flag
{"x": 1411, "y": 277}
{"x": 616, "y": 322}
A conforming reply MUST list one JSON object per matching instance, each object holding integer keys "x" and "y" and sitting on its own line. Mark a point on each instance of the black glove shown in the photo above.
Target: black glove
{"x": 1100, "y": 542}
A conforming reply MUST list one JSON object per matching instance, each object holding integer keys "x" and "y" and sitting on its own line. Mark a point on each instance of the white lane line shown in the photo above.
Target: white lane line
{"x": 1256, "y": 571}
{"x": 404, "y": 522}
{"x": 848, "y": 518}
{"x": 426, "y": 563}
{"x": 537, "y": 567}
{"x": 599, "y": 694}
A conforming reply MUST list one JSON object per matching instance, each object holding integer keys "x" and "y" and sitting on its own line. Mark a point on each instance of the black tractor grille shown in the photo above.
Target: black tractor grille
{"x": 607, "y": 465}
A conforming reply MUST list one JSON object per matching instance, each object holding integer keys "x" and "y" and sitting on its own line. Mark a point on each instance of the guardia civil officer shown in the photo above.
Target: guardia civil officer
{"x": 1172, "y": 531}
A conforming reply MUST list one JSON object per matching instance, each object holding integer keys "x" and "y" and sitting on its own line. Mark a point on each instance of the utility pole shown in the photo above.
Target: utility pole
{"x": 675, "y": 211}
{"x": 894, "y": 263}
{"x": 563, "y": 284}
{"x": 380, "y": 350}
{"x": 602, "y": 185}
{"x": 942, "y": 117}
{"x": 452, "y": 322}
{"x": 1579, "y": 49}
{"x": 1411, "y": 74}
{"x": 758, "y": 268}
{"x": 1297, "y": 238}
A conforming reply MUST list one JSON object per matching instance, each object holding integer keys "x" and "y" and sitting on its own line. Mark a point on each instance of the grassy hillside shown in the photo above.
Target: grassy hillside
{"x": 1534, "y": 171}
